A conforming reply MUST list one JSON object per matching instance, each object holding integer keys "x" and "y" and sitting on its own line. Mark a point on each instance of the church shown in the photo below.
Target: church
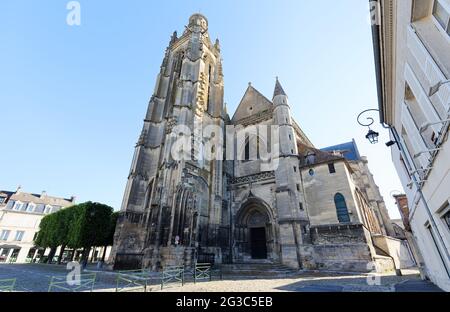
{"x": 301, "y": 207}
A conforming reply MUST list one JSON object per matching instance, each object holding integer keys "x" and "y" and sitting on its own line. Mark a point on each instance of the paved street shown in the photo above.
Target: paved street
{"x": 36, "y": 277}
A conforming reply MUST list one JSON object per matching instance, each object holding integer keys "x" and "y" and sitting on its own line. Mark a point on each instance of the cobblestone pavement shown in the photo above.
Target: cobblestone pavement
{"x": 36, "y": 277}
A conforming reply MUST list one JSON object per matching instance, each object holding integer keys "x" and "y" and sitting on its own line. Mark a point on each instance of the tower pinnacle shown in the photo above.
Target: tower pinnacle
{"x": 198, "y": 21}
{"x": 278, "y": 89}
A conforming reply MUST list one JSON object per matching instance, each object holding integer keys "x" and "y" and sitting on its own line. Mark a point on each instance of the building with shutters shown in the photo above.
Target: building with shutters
{"x": 20, "y": 216}
{"x": 412, "y": 57}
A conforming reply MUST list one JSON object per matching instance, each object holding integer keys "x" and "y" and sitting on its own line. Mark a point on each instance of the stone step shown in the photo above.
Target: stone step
{"x": 257, "y": 269}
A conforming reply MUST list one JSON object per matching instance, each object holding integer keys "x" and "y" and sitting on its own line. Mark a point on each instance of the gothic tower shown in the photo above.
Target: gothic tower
{"x": 173, "y": 196}
{"x": 292, "y": 218}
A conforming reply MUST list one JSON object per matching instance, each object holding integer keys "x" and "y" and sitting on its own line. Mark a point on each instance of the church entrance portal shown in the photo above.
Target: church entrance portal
{"x": 258, "y": 243}
{"x": 254, "y": 234}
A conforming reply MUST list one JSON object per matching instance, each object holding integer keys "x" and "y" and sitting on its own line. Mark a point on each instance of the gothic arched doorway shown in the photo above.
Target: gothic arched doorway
{"x": 254, "y": 232}
{"x": 258, "y": 238}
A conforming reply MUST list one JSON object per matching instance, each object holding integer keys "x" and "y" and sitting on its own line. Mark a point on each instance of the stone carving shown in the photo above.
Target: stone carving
{"x": 254, "y": 178}
{"x": 202, "y": 95}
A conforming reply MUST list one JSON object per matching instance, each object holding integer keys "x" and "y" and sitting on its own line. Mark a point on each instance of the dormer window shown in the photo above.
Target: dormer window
{"x": 48, "y": 209}
{"x": 31, "y": 207}
{"x": 18, "y": 206}
{"x": 2, "y": 200}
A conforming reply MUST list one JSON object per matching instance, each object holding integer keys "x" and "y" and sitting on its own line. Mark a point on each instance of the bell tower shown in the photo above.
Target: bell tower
{"x": 173, "y": 195}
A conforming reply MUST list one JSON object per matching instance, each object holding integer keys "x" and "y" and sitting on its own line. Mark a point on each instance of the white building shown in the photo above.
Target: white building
{"x": 20, "y": 216}
{"x": 412, "y": 57}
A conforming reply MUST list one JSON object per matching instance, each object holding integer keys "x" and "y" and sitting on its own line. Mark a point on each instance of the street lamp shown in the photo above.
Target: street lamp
{"x": 372, "y": 136}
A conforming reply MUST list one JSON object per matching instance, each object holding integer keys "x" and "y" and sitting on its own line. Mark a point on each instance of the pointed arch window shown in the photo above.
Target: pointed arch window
{"x": 247, "y": 150}
{"x": 341, "y": 208}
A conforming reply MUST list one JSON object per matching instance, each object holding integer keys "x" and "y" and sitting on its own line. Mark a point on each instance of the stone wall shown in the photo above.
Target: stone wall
{"x": 397, "y": 249}
{"x": 320, "y": 188}
{"x": 340, "y": 248}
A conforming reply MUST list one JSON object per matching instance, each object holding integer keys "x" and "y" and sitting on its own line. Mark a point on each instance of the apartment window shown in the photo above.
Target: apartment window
{"x": 301, "y": 205}
{"x": 419, "y": 118}
{"x": 39, "y": 208}
{"x": 430, "y": 231}
{"x": 409, "y": 148}
{"x": 10, "y": 204}
{"x": 19, "y": 236}
{"x": 48, "y": 209}
{"x": 298, "y": 187}
{"x": 441, "y": 12}
{"x": 295, "y": 169}
{"x": 4, "y": 235}
{"x": 331, "y": 168}
{"x": 17, "y": 206}
{"x": 30, "y": 207}
{"x": 402, "y": 161}
{"x": 446, "y": 217}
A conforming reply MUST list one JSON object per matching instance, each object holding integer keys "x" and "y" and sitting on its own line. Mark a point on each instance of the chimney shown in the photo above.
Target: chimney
{"x": 43, "y": 194}
{"x": 19, "y": 189}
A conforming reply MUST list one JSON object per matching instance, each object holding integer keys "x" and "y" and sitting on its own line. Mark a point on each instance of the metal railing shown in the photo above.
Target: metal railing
{"x": 131, "y": 280}
{"x": 202, "y": 271}
{"x": 7, "y": 284}
{"x": 85, "y": 283}
{"x": 172, "y": 275}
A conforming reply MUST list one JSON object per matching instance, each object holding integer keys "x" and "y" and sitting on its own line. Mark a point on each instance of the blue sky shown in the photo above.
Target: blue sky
{"x": 73, "y": 98}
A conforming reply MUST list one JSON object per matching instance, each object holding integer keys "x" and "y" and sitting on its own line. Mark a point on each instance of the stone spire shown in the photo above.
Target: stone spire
{"x": 278, "y": 89}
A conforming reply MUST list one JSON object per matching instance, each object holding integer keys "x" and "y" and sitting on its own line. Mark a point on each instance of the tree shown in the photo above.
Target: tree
{"x": 63, "y": 218}
{"x": 91, "y": 226}
{"x": 47, "y": 236}
{"x": 81, "y": 226}
{"x": 110, "y": 238}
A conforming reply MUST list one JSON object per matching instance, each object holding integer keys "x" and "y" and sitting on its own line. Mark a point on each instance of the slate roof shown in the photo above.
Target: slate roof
{"x": 348, "y": 149}
{"x": 278, "y": 89}
{"x": 37, "y": 198}
{"x": 320, "y": 156}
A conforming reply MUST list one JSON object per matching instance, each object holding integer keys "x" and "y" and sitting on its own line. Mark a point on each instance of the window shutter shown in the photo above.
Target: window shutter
{"x": 431, "y": 71}
{"x": 423, "y": 100}
{"x": 416, "y": 140}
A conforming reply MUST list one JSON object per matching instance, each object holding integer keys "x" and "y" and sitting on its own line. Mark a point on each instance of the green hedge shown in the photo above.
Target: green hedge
{"x": 81, "y": 226}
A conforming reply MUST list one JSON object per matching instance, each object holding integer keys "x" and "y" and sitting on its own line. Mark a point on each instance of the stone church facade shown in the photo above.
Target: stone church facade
{"x": 312, "y": 210}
